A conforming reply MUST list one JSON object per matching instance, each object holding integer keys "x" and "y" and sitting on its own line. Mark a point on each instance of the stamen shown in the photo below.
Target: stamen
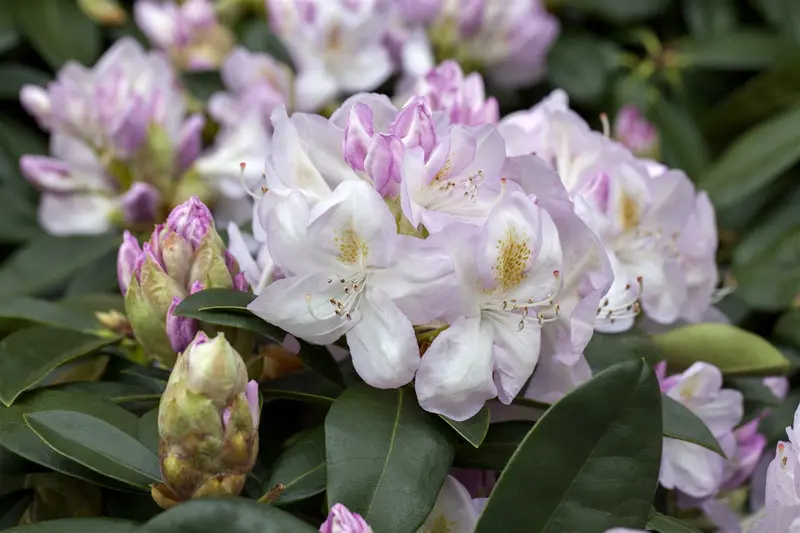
{"x": 250, "y": 193}
{"x": 606, "y": 125}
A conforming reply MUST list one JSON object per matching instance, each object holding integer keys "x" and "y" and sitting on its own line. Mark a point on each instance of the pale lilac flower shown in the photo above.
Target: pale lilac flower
{"x": 453, "y": 512}
{"x": 349, "y": 273}
{"x": 337, "y": 46}
{"x": 461, "y": 98}
{"x": 779, "y": 519}
{"x": 510, "y": 276}
{"x": 633, "y": 130}
{"x": 749, "y": 448}
{"x": 189, "y": 32}
{"x": 778, "y": 386}
{"x": 508, "y": 40}
{"x": 120, "y": 141}
{"x": 638, "y": 210}
{"x": 688, "y": 467}
{"x": 341, "y": 520}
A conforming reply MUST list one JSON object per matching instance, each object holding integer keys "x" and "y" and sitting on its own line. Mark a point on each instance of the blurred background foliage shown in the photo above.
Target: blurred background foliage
{"x": 719, "y": 78}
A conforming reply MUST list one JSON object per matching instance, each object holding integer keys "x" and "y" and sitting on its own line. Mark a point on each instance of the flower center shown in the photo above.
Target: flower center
{"x": 629, "y": 306}
{"x": 352, "y": 250}
{"x": 513, "y": 256}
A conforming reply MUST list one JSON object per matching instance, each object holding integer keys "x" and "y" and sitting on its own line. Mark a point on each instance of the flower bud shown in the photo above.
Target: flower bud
{"x": 342, "y": 520}
{"x": 358, "y": 131}
{"x": 183, "y": 256}
{"x": 140, "y": 203}
{"x": 207, "y": 422}
{"x": 633, "y": 130}
{"x": 415, "y": 127}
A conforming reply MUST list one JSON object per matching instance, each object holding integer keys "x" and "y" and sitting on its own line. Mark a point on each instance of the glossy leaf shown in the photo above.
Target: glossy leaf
{"x": 474, "y": 429}
{"x": 304, "y": 386}
{"x": 682, "y": 144}
{"x": 97, "y": 445}
{"x": 606, "y": 350}
{"x": 387, "y": 458}
{"x": 734, "y": 351}
{"x": 16, "y": 436}
{"x": 682, "y": 424}
{"x": 301, "y": 468}
{"x": 754, "y": 160}
{"x": 225, "y": 307}
{"x": 231, "y": 515}
{"x": 77, "y": 525}
{"x": 147, "y": 430}
{"x": 47, "y": 261}
{"x": 24, "y": 311}
{"x": 28, "y": 355}
{"x": 590, "y": 463}
{"x": 500, "y": 443}
{"x": 618, "y": 11}
{"x": 745, "y": 49}
{"x": 668, "y": 524}
{"x": 58, "y": 30}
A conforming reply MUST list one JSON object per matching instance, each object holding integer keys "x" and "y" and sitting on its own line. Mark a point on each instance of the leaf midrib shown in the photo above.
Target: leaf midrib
{"x": 389, "y": 453}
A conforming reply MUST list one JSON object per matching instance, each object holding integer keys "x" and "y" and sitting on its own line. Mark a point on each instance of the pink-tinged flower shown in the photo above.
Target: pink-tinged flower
{"x": 633, "y": 130}
{"x": 121, "y": 141}
{"x": 337, "y": 46}
{"x": 688, "y": 467}
{"x": 638, "y": 209}
{"x": 749, "y": 448}
{"x": 507, "y": 40}
{"x": 461, "y": 98}
{"x": 509, "y": 271}
{"x": 778, "y": 519}
{"x": 189, "y": 32}
{"x": 341, "y": 520}
{"x": 183, "y": 256}
{"x": 586, "y": 276}
{"x": 778, "y": 386}
{"x": 349, "y": 273}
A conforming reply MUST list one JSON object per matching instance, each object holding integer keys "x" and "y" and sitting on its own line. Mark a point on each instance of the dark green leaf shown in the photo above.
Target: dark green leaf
{"x": 682, "y": 143}
{"x": 606, "y": 350}
{"x": 22, "y": 311}
{"x": 77, "y": 525}
{"x": 745, "y": 49}
{"x": 300, "y": 468}
{"x": 387, "y": 458}
{"x": 682, "y": 424}
{"x": 774, "y": 425}
{"x": 99, "y": 277}
{"x": 17, "y": 219}
{"x": 710, "y": 18}
{"x": 95, "y": 302}
{"x": 500, "y": 443}
{"x": 668, "y": 524}
{"x": 734, "y": 351}
{"x": 225, "y": 307}
{"x": 784, "y": 15}
{"x": 473, "y": 430}
{"x": 13, "y": 464}
{"x": 258, "y": 37}
{"x": 231, "y": 515}
{"x": 97, "y": 445}
{"x": 787, "y": 330}
{"x": 147, "y": 430}
{"x": 304, "y": 386}
{"x": 617, "y": 11}
{"x": 12, "y": 507}
{"x": 589, "y": 464}
{"x": 19, "y": 439}
{"x": 28, "y": 355}
{"x": 9, "y": 38}
{"x": 13, "y": 76}
{"x": 115, "y": 391}
{"x": 203, "y": 84}
{"x": 58, "y": 30}
{"x": 754, "y": 160}
{"x": 48, "y": 260}
{"x": 580, "y": 64}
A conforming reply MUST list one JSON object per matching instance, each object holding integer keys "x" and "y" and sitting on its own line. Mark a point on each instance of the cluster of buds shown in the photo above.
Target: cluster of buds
{"x": 207, "y": 424}
{"x": 183, "y": 256}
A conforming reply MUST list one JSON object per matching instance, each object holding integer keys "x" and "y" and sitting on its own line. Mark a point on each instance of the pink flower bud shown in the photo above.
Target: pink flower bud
{"x": 180, "y": 329}
{"x": 635, "y": 131}
{"x": 36, "y": 101}
{"x": 140, "y": 203}
{"x": 414, "y": 126}
{"x": 190, "y": 142}
{"x": 341, "y": 520}
{"x": 128, "y": 256}
{"x": 358, "y": 131}
{"x": 191, "y": 220}
{"x": 384, "y": 163}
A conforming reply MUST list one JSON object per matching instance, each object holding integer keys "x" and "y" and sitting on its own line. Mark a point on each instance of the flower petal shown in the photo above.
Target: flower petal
{"x": 516, "y": 352}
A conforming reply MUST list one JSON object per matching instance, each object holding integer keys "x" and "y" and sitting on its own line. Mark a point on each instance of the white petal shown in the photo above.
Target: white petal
{"x": 421, "y": 280}
{"x": 455, "y": 374}
{"x": 314, "y": 87}
{"x": 241, "y": 252}
{"x": 324, "y": 144}
{"x": 516, "y": 352}
{"x": 363, "y": 72}
{"x": 690, "y": 468}
{"x": 383, "y": 111}
{"x": 355, "y": 226}
{"x": 75, "y": 214}
{"x": 453, "y": 507}
{"x": 383, "y": 345}
{"x": 289, "y": 304}
{"x": 553, "y": 378}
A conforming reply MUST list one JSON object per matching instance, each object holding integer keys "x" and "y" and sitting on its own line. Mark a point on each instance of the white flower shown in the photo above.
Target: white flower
{"x": 349, "y": 273}
{"x": 453, "y": 512}
{"x": 510, "y": 276}
{"x": 688, "y": 467}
